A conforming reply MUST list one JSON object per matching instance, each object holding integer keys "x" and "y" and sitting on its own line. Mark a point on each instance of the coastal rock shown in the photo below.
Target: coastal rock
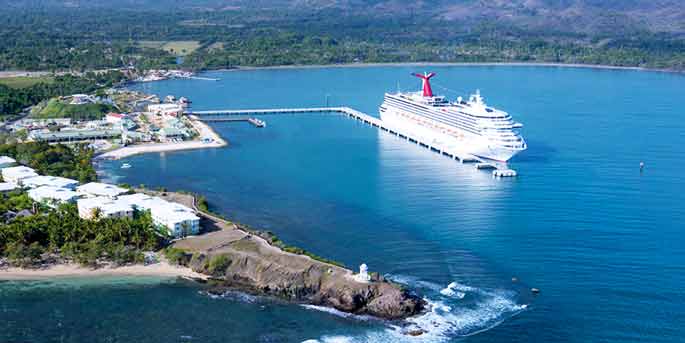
{"x": 249, "y": 263}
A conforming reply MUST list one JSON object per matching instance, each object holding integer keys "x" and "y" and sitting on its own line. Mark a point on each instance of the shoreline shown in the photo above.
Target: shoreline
{"x": 449, "y": 64}
{"x": 60, "y": 270}
{"x": 136, "y": 149}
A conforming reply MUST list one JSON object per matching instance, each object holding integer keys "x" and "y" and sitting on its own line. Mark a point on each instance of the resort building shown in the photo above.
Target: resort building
{"x": 52, "y": 196}
{"x": 179, "y": 220}
{"x": 115, "y": 118}
{"x": 172, "y": 110}
{"x": 96, "y": 189}
{"x": 73, "y": 135}
{"x": 171, "y": 133}
{"x": 6, "y": 161}
{"x": 7, "y": 187}
{"x": 54, "y": 181}
{"x": 17, "y": 174}
{"x": 103, "y": 207}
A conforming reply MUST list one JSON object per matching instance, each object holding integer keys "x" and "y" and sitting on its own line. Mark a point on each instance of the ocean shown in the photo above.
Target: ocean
{"x": 581, "y": 222}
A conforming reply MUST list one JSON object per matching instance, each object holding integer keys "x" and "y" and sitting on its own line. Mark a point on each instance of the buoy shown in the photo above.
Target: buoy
{"x": 514, "y": 279}
{"x": 535, "y": 290}
{"x": 642, "y": 166}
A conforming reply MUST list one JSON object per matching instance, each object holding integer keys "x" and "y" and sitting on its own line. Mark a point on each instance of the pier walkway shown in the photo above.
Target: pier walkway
{"x": 450, "y": 152}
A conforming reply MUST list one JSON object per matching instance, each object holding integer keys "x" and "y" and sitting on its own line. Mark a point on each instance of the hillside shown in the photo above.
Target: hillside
{"x": 58, "y": 34}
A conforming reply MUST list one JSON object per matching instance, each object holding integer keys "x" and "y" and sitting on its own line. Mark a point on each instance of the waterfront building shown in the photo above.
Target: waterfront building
{"x": 55, "y": 181}
{"x": 172, "y": 110}
{"x": 52, "y": 196}
{"x": 75, "y": 135}
{"x": 115, "y": 118}
{"x": 17, "y": 174}
{"x": 7, "y": 187}
{"x": 177, "y": 219}
{"x": 104, "y": 207}
{"x": 171, "y": 133}
{"x": 97, "y": 189}
{"x": 6, "y": 161}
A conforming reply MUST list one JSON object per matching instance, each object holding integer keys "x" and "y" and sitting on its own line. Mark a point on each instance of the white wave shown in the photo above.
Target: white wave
{"x": 447, "y": 319}
{"x": 232, "y": 295}
{"x": 449, "y": 291}
{"x": 338, "y": 313}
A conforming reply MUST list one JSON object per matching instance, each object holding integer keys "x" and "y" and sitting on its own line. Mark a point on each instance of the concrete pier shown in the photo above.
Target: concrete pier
{"x": 362, "y": 117}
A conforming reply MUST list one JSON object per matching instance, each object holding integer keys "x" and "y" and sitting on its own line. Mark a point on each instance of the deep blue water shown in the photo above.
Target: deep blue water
{"x": 600, "y": 239}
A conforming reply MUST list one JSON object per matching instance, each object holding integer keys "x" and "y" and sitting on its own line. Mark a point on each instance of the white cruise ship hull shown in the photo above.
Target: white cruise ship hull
{"x": 449, "y": 137}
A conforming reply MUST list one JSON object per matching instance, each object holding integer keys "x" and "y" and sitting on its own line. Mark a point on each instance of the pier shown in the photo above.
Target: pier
{"x": 452, "y": 153}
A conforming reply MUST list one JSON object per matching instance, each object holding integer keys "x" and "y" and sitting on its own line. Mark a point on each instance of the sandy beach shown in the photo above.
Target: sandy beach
{"x": 204, "y": 130}
{"x": 162, "y": 269}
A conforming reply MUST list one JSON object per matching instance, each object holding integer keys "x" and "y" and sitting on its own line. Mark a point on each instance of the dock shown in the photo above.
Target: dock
{"x": 449, "y": 152}
{"x": 254, "y": 121}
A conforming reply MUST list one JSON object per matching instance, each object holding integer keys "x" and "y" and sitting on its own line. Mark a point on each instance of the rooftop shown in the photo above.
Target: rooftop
{"x": 106, "y": 205}
{"x": 6, "y": 160}
{"x": 101, "y": 189}
{"x": 7, "y": 186}
{"x": 55, "y": 181}
{"x": 53, "y": 193}
{"x": 18, "y": 172}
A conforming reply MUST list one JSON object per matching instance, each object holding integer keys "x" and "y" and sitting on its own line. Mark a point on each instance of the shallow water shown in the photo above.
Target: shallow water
{"x": 600, "y": 239}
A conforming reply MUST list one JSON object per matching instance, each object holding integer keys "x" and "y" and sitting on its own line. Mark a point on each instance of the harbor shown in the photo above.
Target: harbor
{"x": 498, "y": 169}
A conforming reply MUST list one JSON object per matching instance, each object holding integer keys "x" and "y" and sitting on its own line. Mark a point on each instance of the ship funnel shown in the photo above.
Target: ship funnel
{"x": 427, "y": 91}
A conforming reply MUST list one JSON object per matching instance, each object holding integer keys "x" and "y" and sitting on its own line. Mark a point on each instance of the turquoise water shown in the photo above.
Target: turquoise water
{"x": 600, "y": 239}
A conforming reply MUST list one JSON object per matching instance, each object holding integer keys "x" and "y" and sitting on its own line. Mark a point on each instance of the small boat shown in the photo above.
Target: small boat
{"x": 125, "y": 166}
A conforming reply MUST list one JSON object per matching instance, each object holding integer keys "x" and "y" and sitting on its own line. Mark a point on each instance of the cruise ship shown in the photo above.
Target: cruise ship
{"x": 469, "y": 126}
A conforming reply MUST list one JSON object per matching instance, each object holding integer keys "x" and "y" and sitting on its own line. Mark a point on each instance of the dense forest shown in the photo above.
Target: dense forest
{"x": 59, "y": 35}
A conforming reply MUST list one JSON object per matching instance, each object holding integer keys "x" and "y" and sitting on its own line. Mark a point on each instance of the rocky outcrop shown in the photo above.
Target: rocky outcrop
{"x": 247, "y": 262}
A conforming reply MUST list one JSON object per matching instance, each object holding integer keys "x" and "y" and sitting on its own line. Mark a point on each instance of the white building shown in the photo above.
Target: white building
{"x": 81, "y": 99}
{"x": 6, "y": 161}
{"x": 173, "y": 110}
{"x": 363, "y": 275}
{"x": 52, "y": 196}
{"x": 55, "y": 181}
{"x": 17, "y": 174}
{"x": 176, "y": 218}
{"x": 115, "y": 118}
{"x": 7, "y": 187}
{"x": 107, "y": 208}
{"x": 97, "y": 189}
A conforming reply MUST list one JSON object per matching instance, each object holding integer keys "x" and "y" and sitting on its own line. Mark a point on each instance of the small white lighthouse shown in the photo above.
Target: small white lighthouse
{"x": 363, "y": 275}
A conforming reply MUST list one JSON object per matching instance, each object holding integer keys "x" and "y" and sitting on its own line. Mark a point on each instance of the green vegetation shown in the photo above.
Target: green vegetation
{"x": 14, "y": 100}
{"x": 15, "y": 201}
{"x": 175, "y": 256}
{"x": 277, "y": 242}
{"x": 25, "y": 81}
{"x": 54, "y": 159}
{"x": 56, "y": 108}
{"x": 30, "y": 240}
{"x": 218, "y": 264}
{"x": 178, "y": 48}
{"x": 151, "y": 34}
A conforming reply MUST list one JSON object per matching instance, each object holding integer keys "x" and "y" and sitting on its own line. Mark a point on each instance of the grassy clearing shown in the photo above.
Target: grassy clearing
{"x": 58, "y": 109}
{"x": 25, "y": 81}
{"x": 179, "y": 48}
